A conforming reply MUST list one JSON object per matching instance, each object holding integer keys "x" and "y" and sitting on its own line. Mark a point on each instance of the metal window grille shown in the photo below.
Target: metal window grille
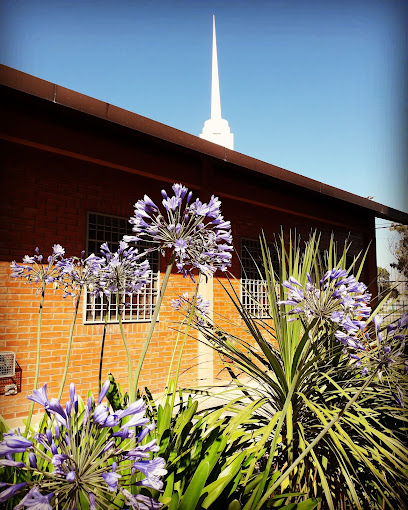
{"x": 254, "y": 294}
{"x": 7, "y": 364}
{"x": 138, "y": 307}
{"x": 393, "y": 309}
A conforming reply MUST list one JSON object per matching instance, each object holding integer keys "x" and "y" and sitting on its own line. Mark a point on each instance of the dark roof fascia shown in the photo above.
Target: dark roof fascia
{"x": 37, "y": 87}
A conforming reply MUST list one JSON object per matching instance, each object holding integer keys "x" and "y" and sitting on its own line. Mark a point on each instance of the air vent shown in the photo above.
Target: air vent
{"x": 7, "y": 364}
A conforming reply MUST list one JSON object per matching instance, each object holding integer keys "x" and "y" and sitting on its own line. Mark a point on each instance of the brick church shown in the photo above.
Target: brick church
{"x": 72, "y": 169}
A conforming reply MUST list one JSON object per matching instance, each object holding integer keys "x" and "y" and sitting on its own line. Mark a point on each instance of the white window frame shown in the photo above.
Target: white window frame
{"x": 254, "y": 292}
{"x": 140, "y": 305}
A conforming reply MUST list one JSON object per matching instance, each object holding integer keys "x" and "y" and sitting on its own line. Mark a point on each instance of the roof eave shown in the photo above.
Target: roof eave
{"x": 37, "y": 87}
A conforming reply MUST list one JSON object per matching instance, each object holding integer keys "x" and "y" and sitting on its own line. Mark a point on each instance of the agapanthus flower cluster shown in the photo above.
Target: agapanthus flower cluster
{"x": 123, "y": 271}
{"x": 195, "y": 231}
{"x": 386, "y": 353}
{"x": 76, "y": 272}
{"x": 37, "y": 271}
{"x": 184, "y": 305}
{"x": 86, "y": 452}
{"x": 337, "y": 300}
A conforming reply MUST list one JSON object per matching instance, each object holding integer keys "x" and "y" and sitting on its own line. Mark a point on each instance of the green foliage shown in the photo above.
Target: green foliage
{"x": 115, "y": 396}
{"x": 304, "y": 380}
{"x": 205, "y": 452}
{"x": 3, "y": 427}
{"x": 209, "y": 454}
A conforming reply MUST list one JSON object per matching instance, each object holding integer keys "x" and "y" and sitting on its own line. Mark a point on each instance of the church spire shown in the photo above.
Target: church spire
{"x": 215, "y": 82}
{"x": 216, "y": 129}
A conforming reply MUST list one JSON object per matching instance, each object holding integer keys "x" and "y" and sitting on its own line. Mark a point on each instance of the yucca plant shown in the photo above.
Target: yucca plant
{"x": 329, "y": 375}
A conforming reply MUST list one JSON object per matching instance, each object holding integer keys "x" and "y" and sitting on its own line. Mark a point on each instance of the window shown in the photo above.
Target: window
{"x": 254, "y": 294}
{"x": 139, "y": 307}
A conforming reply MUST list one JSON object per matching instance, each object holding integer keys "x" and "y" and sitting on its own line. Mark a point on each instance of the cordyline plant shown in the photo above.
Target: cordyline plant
{"x": 330, "y": 376}
{"x": 88, "y": 457}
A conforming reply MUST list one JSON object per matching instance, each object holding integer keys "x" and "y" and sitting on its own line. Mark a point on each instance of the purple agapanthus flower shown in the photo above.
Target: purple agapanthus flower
{"x": 111, "y": 480}
{"x": 184, "y": 305}
{"x": 104, "y": 391}
{"x": 35, "y": 500}
{"x": 387, "y": 352}
{"x": 40, "y": 397}
{"x": 11, "y": 463}
{"x": 92, "y": 501}
{"x": 196, "y": 232}
{"x": 11, "y": 491}
{"x": 13, "y": 443}
{"x": 337, "y": 300}
{"x": 154, "y": 467}
{"x": 100, "y": 414}
{"x": 74, "y": 469}
{"x": 36, "y": 272}
{"x": 76, "y": 272}
{"x": 134, "y": 408}
{"x": 123, "y": 272}
{"x": 140, "y": 502}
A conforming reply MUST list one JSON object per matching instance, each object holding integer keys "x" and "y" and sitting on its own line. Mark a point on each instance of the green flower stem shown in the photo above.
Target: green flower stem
{"x": 289, "y": 470}
{"x": 122, "y": 332}
{"x": 167, "y": 387}
{"x": 102, "y": 348}
{"x": 156, "y": 310}
{"x": 190, "y": 320}
{"x": 71, "y": 334}
{"x": 37, "y": 368}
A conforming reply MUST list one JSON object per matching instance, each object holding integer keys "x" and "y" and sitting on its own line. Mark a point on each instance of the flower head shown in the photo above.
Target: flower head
{"x": 35, "y": 500}
{"x": 337, "y": 300}
{"x": 386, "y": 353}
{"x": 38, "y": 272}
{"x": 88, "y": 470}
{"x": 196, "y": 232}
{"x": 184, "y": 305}
{"x": 76, "y": 272}
{"x": 40, "y": 397}
{"x": 123, "y": 272}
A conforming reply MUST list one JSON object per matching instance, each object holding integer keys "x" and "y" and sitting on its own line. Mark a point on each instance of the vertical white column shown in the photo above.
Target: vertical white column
{"x": 205, "y": 352}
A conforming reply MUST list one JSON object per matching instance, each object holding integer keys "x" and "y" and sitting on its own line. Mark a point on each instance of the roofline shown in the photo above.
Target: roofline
{"x": 37, "y": 87}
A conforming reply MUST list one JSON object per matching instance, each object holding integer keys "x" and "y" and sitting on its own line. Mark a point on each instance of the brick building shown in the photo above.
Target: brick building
{"x": 72, "y": 168}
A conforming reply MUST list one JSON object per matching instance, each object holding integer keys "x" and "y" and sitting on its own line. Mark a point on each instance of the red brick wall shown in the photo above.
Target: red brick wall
{"x": 18, "y": 333}
{"x": 45, "y": 199}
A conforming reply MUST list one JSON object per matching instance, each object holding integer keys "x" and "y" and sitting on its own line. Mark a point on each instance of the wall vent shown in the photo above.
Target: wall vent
{"x": 7, "y": 364}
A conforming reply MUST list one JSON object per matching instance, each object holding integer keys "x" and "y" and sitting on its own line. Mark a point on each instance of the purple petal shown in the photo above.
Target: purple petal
{"x": 9, "y": 493}
{"x": 104, "y": 391}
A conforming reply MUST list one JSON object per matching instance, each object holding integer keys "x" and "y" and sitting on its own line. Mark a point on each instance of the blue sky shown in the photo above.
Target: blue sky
{"x": 316, "y": 87}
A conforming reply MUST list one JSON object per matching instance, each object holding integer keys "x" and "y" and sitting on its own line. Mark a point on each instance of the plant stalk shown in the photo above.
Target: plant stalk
{"x": 156, "y": 310}
{"x": 122, "y": 332}
{"x": 190, "y": 320}
{"x": 37, "y": 368}
{"x": 71, "y": 334}
{"x": 102, "y": 348}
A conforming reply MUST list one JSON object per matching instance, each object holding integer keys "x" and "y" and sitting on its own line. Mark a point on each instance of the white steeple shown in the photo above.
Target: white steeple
{"x": 216, "y": 129}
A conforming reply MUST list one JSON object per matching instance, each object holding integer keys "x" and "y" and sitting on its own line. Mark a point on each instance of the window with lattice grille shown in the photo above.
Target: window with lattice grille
{"x": 254, "y": 295}
{"x": 138, "y": 307}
